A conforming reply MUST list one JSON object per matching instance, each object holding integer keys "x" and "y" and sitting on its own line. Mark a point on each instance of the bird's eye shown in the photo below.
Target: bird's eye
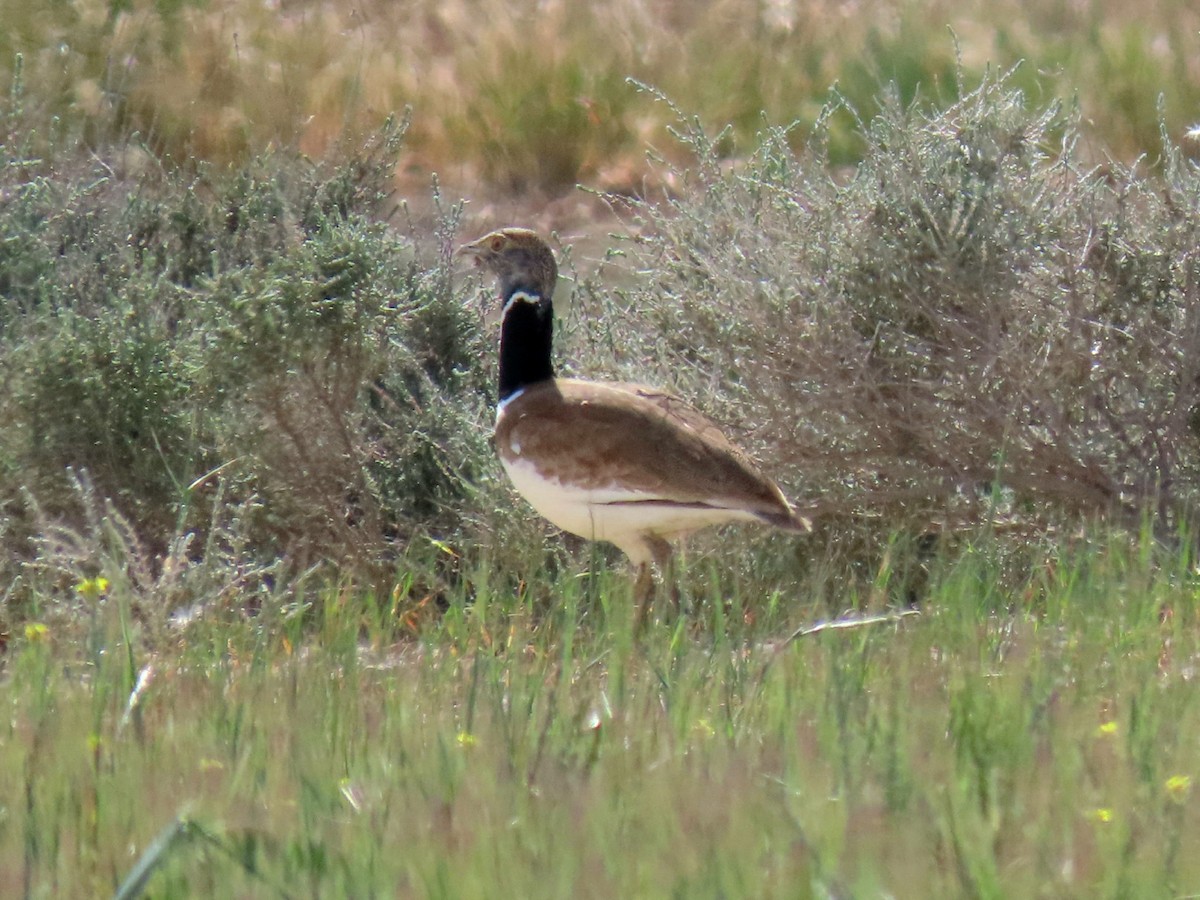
{"x": 497, "y": 243}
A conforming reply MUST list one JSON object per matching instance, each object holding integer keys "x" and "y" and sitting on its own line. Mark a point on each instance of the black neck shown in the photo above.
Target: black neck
{"x": 525, "y": 341}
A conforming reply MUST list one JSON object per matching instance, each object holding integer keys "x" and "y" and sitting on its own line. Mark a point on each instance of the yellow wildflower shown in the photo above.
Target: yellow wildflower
{"x": 1178, "y": 787}
{"x": 92, "y": 588}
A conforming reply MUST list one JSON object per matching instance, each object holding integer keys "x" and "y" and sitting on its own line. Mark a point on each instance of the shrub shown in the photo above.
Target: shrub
{"x": 255, "y": 339}
{"x": 971, "y": 324}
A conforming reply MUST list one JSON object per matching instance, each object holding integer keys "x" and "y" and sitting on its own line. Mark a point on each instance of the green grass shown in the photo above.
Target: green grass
{"x": 1029, "y": 742}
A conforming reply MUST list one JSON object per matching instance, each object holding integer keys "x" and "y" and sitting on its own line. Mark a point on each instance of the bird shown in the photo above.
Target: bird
{"x": 624, "y": 463}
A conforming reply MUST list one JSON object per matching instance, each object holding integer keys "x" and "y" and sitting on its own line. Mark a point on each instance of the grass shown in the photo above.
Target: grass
{"x": 991, "y": 746}
{"x": 533, "y": 97}
{"x": 271, "y": 624}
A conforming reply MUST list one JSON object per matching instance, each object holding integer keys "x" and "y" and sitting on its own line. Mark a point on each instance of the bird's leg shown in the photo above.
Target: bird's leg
{"x": 661, "y": 549}
{"x": 643, "y": 594}
{"x": 643, "y": 588}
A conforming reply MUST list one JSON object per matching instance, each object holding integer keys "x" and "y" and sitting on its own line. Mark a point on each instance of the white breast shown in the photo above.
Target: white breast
{"x": 590, "y": 513}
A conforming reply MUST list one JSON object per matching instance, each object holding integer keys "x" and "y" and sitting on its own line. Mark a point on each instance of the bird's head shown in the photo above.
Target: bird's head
{"x": 519, "y": 258}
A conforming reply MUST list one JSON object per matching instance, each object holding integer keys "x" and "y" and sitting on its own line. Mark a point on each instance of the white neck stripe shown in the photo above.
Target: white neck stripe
{"x": 520, "y": 297}
{"x": 509, "y": 399}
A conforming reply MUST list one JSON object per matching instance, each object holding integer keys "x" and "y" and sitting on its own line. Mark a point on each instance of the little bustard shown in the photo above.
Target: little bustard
{"x": 623, "y": 463}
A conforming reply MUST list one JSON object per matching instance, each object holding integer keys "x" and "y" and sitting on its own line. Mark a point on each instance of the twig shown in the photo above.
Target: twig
{"x": 830, "y": 625}
{"x": 854, "y": 622}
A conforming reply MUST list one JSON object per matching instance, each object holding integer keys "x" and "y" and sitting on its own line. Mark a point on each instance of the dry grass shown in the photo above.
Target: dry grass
{"x": 533, "y": 96}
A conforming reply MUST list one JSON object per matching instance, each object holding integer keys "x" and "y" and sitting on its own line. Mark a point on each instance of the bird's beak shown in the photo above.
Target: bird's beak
{"x": 471, "y": 250}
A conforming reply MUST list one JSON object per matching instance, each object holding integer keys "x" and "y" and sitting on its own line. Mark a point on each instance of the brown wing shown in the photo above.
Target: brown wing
{"x": 596, "y": 435}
